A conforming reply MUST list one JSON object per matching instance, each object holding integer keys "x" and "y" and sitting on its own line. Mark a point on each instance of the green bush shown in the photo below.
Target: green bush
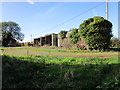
{"x": 74, "y": 36}
{"x": 63, "y": 34}
{"x": 111, "y": 85}
{"x": 97, "y": 31}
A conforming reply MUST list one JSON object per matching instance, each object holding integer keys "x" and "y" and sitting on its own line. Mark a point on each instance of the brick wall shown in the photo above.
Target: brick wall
{"x": 67, "y": 44}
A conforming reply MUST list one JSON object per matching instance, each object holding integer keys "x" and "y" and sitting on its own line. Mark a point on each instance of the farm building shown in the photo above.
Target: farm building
{"x": 49, "y": 40}
{"x": 55, "y": 40}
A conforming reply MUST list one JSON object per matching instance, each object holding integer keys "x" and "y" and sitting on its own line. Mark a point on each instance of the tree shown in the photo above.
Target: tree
{"x": 10, "y": 33}
{"x": 74, "y": 36}
{"x": 63, "y": 34}
{"x": 97, "y": 31}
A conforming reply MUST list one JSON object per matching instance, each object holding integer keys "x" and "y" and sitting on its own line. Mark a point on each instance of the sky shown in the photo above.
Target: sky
{"x": 41, "y": 18}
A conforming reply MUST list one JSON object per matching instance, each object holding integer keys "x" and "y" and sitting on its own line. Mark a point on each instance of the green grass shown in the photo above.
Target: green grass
{"x": 36, "y": 71}
{"x": 45, "y": 72}
{"x": 56, "y": 49}
{"x": 51, "y": 49}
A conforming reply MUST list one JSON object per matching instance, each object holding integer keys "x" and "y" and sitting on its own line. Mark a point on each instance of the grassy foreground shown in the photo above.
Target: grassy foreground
{"x": 60, "y": 72}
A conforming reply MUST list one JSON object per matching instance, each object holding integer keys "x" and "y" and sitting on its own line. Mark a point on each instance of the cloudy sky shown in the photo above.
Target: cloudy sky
{"x": 40, "y": 18}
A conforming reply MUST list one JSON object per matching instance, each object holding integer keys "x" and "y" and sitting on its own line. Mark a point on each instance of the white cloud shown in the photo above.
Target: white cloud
{"x": 30, "y": 1}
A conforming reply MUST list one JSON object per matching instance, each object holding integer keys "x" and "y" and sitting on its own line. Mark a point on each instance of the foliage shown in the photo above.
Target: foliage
{"x": 115, "y": 42}
{"x": 111, "y": 84}
{"x": 74, "y": 36}
{"x": 57, "y": 72}
{"x": 63, "y": 34}
{"x": 10, "y": 33}
{"x": 97, "y": 31}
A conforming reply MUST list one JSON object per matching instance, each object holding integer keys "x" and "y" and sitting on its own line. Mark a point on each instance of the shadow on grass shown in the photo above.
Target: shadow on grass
{"x": 27, "y": 74}
{"x": 115, "y": 49}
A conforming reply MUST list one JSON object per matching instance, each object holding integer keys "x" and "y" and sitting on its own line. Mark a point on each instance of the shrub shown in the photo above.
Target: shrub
{"x": 74, "y": 36}
{"x": 63, "y": 34}
{"x": 97, "y": 31}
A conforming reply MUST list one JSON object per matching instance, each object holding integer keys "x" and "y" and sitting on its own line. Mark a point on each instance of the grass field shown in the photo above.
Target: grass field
{"x": 49, "y": 72}
{"x": 56, "y": 49}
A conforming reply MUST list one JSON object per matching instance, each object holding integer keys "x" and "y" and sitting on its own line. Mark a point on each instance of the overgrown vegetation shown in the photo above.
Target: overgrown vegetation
{"x": 63, "y": 34}
{"x": 59, "y": 72}
{"x": 74, "y": 36}
{"x": 97, "y": 31}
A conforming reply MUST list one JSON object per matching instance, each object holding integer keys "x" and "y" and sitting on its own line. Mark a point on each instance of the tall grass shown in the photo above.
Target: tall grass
{"x": 48, "y": 72}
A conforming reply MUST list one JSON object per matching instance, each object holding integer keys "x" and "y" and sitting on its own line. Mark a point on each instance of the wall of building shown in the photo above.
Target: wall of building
{"x": 36, "y": 41}
{"x": 49, "y": 40}
{"x": 54, "y": 39}
{"x": 67, "y": 44}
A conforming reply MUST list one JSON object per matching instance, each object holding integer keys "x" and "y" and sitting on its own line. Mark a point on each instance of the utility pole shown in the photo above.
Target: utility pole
{"x": 107, "y": 9}
{"x": 31, "y": 38}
